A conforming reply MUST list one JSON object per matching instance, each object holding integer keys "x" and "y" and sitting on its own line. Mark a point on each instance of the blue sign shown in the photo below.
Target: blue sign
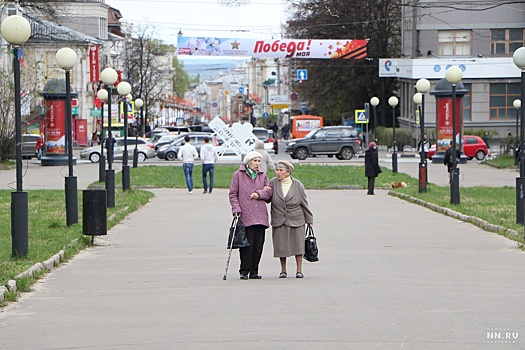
{"x": 265, "y": 115}
{"x": 241, "y": 90}
{"x": 302, "y": 74}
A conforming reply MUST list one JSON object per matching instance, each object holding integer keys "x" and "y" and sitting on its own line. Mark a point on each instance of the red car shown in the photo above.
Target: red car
{"x": 473, "y": 147}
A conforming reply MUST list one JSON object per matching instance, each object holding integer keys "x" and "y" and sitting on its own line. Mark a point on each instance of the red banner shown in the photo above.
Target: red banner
{"x": 55, "y": 127}
{"x": 444, "y": 122}
{"x": 80, "y": 132}
{"x": 94, "y": 74}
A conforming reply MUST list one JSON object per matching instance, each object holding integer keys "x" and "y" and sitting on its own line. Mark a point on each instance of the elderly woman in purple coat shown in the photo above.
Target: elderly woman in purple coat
{"x": 249, "y": 191}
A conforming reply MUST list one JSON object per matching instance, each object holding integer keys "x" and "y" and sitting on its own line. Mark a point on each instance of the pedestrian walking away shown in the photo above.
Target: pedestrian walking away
{"x": 188, "y": 154}
{"x": 424, "y": 145}
{"x": 249, "y": 191}
{"x": 209, "y": 157}
{"x": 286, "y": 131}
{"x": 266, "y": 159}
{"x": 290, "y": 213}
{"x": 372, "y": 169}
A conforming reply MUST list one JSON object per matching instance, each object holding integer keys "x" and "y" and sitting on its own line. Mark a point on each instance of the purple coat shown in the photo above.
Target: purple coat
{"x": 253, "y": 211}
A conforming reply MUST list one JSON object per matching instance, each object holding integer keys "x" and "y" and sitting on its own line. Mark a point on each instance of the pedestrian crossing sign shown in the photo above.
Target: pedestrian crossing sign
{"x": 361, "y": 117}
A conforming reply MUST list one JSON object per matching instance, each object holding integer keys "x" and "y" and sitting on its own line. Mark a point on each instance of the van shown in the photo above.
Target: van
{"x": 301, "y": 125}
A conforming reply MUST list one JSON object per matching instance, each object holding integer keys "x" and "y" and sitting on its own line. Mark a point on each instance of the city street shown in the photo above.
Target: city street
{"x": 471, "y": 174}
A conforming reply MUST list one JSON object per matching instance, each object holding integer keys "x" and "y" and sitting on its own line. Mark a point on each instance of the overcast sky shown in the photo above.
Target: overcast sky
{"x": 259, "y": 18}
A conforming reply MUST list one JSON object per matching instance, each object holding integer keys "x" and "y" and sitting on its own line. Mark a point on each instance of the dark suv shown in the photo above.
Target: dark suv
{"x": 341, "y": 141}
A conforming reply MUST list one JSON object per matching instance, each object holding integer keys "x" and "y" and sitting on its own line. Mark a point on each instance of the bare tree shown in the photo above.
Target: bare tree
{"x": 50, "y": 10}
{"x": 148, "y": 67}
{"x": 28, "y": 84}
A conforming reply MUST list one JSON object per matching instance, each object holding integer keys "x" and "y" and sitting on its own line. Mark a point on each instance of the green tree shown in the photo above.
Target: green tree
{"x": 336, "y": 87}
{"x": 181, "y": 81}
{"x": 148, "y": 67}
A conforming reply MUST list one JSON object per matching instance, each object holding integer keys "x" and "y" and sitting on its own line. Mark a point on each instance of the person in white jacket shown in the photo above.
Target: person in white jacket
{"x": 209, "y": 157}
{"x": 188, "y": 154}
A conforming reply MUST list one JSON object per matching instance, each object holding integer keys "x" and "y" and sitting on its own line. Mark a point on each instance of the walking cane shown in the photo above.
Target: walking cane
{"x": 234, "y": 224}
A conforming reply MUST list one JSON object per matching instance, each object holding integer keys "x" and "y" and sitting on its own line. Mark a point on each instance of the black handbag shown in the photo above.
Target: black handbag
{"x": 311, "y": 251}
{"x": 237, "y": 234}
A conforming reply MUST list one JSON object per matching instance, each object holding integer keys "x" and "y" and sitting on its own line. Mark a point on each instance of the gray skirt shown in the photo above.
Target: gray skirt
{"x": 287, "y": 241}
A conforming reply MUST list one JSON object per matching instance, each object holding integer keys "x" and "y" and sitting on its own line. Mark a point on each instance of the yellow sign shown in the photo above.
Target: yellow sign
{"x": 360, "y": 116}
{"x": 280, "y": 106}
{"x": 131, "y": 109}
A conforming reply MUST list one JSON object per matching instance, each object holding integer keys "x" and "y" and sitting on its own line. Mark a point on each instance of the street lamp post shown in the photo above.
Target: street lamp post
{"x": 422, "y": 86}
{"x": 517, "y": 105}
{"x": 102, "y": 95}
{"x": 393, "y": 101}
{"x": 374, "y": 101}
{"x": 454, "y": 76}
{"x": 66, "y": 58}
{"x": 16, "y": 30}
{"x": 124, "y": 89}
{"x": 109, "y": 76}
{"x": 138, "y": 104}
{"x": 519, "y": 60}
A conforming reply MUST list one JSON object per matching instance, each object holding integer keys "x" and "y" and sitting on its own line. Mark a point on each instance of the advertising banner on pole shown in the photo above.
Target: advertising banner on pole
{"x": 55, "y": 126}
{"x": 445, "y": 120}
{"x": 285, "y": 48}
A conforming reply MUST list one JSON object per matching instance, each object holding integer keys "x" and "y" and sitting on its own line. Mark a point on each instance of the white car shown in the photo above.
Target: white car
{"x": 145, "y": 147}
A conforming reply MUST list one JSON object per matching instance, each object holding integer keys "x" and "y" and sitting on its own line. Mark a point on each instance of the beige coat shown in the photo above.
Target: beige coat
{"x": 293, "y": 210}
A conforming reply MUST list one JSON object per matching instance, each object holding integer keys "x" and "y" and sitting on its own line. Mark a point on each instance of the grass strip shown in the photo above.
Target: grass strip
{"x": 48, "y": 233}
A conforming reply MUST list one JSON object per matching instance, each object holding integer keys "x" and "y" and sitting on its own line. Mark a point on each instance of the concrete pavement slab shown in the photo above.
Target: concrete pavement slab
{"x": 392, "y": 275}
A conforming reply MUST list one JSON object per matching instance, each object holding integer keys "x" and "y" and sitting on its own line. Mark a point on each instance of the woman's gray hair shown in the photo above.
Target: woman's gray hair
{"x": 284, "y": 166}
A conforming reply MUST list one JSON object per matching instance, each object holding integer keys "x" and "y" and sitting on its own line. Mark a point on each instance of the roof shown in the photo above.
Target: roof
{"x": 46, "y": 31}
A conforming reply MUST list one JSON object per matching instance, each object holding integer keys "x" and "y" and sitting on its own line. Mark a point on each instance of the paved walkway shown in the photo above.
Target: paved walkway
{"x": 392, "y": 275}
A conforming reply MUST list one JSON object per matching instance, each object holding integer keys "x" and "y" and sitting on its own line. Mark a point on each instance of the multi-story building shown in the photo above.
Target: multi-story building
{"x": 480, "y": 38}
{"x": 88, "y": 24}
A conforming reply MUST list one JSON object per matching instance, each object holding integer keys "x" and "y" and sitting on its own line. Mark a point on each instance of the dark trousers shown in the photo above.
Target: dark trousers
{"x": 207, "y": 168}
{"x": 251, "y": 256}
{"x": 371, "y": 183}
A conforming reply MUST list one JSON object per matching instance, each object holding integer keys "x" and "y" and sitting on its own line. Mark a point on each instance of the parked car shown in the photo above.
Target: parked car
{"x": 266, "y": 136}
{"x": 473, "y": 147}
{"x": 29, "y": 143}
{"x": 171, "y": 151}
{"x": 341, "y": 141}
{"x": 145, "y": 147}
{"x": 165, "y": 139}
{"x": 156, "y": 133}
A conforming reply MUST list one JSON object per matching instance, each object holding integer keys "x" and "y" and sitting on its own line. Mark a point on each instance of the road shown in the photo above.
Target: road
{"x": 51, "y": 177}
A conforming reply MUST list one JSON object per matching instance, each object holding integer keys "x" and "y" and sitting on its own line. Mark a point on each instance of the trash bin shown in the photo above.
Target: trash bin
{"x": 94, "y": 212}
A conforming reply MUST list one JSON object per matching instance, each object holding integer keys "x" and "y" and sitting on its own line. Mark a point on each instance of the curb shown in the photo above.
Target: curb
{"x": 487, "y": 226}
{"x": 47, "y": 265}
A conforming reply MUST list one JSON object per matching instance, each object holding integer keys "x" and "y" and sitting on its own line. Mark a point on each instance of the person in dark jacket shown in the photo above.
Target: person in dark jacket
{"x": 448, "y": 159}
{"x": 372, "y": 169}
{"x": 249, "y": 191}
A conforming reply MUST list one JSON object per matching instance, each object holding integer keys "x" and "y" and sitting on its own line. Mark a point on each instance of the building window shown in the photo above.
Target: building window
{"x": 501, "y": 98}
{"x": 102, "y": 28}
{"x": 455, "y": 42}
{"x": 503, "y": 42}
{"x": 467, "y": 103}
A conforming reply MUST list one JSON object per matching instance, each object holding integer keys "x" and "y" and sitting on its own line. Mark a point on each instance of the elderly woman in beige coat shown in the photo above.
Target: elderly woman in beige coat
{"x": 290, "y": 213}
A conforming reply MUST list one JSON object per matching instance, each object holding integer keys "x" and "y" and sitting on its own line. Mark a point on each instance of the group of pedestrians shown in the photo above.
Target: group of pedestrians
{"x": 188, "y": 153}
{"x": 250, "y": 190}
